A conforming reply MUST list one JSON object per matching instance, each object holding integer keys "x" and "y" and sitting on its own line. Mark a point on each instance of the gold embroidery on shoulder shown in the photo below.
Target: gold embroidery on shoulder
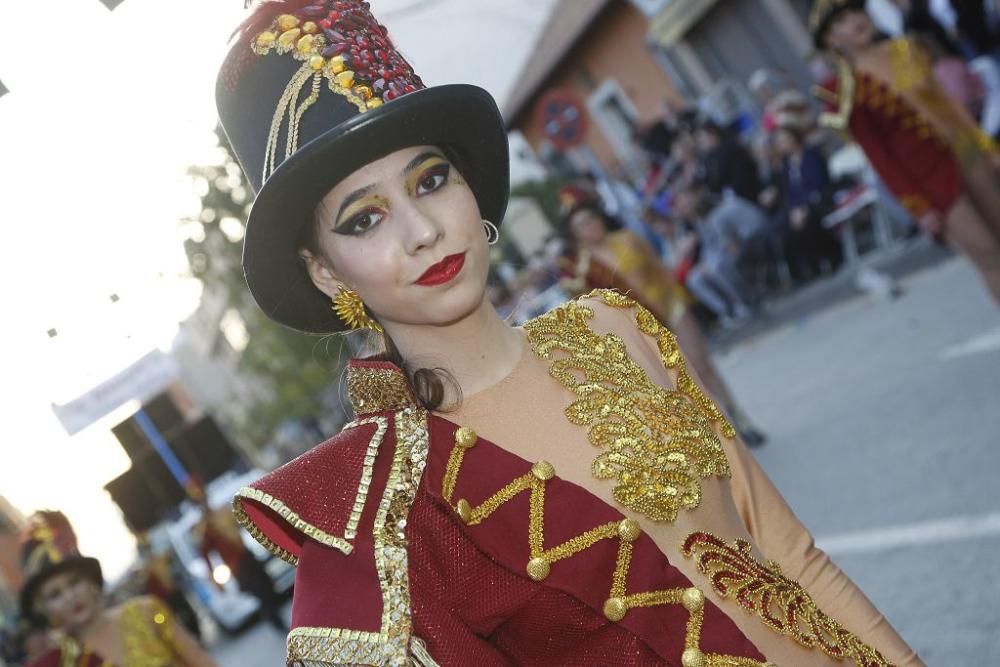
{"x": 148, "y": 633}
{"x": 378, "y": 389}
{"x": 626, "y": 531}
{"x": 657, "y": 443}
{"x": 391, "y": 645}
{"x": 780, "y": 603}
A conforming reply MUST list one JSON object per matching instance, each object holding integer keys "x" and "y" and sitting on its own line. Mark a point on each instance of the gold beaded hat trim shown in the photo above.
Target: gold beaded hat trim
{"x": 342, "y": 44}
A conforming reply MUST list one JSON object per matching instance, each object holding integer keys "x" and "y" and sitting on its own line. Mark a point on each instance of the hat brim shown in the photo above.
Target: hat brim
{"x": 88, "y": 567}
{"x": 461, "y": 119}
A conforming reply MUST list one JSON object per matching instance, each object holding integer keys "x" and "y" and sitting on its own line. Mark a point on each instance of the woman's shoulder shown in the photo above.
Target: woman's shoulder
{"x": 313, "y": 496}
{"x": 596, "y": 315}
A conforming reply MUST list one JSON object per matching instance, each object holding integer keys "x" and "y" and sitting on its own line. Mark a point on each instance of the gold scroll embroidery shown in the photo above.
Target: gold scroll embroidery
{"x": 657, "y": 443}
{"x": 391, "y": 645}
{"x": 780, "y": 603}
{"x": 342, "y": 543}
{"x": 626, "y": 531}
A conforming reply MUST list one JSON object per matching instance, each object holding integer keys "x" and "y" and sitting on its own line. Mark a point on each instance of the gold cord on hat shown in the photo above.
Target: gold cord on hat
{"x": 351, "y": 310}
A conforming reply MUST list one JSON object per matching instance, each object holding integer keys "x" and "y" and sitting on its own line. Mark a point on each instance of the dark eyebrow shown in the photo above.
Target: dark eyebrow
{"x": 353, "y": 197}
{"x": 361, "y": 192}
{"x": 420, "y": 159}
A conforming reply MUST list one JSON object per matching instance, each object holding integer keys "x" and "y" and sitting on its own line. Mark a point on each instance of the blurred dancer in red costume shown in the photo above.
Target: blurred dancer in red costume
{"x": 558, "y": 494}
{"x": 923, "y": 144}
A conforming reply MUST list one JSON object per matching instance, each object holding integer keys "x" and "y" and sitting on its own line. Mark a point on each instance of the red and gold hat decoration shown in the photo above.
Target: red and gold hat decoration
{"x": 342, "y": 43}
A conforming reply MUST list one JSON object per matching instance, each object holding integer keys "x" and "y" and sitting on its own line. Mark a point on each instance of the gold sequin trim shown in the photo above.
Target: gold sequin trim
{"x": 626, "y": 531}
{"x": 394, "y": 641}
{"x": 342, "y": 543}
{"x": 657, "y": 443}
{"x": 780, "y": 603}
{"x": 148, "y": 632}
{"x": 377, "y": 390}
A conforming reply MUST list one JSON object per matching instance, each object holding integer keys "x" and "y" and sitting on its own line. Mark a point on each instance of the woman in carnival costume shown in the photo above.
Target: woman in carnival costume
{"x": 62, "y": 591}
{"x": 557, "y": 494}
{"x": 922, "y": 143}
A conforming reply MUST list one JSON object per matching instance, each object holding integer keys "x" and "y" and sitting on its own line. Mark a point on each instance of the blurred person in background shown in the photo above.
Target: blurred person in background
{"x": 218, "y": 533}
{"x": 933, "y": 157}
{"x": 807, "y": 196}
{"x": 160, "y": 580}
{"x": 728, "y": 165}
{"x": 715, "y": 278}
{"x": 603, "y": 255}
{"x": 63, "y": 591}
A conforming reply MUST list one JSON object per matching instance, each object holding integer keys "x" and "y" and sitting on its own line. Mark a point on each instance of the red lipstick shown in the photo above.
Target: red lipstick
{"x": 442, "y": 272}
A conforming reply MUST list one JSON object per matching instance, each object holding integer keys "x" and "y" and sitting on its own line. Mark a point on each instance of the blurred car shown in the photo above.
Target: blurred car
{"x": 217, "y": 590}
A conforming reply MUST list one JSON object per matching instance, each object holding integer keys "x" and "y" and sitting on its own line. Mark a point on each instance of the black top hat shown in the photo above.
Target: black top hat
{"x": 310, "y": 92}
{"x": 49, "y": 547}
{"x": 824, "y": 12}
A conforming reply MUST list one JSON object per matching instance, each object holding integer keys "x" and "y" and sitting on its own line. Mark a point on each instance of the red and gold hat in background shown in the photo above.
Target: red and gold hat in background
{"x": 311, "y": 91}
{"x": 48, "y": 548}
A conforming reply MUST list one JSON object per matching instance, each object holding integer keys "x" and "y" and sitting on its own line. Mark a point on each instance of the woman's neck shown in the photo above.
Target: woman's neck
{"x": 478, "y": 351}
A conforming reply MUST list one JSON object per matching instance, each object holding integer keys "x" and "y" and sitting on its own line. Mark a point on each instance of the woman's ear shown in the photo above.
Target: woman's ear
{"x": 321, "y": 274}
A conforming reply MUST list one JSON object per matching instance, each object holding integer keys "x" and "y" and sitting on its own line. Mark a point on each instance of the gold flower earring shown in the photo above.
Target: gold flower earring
{"x": 351, "y": 310}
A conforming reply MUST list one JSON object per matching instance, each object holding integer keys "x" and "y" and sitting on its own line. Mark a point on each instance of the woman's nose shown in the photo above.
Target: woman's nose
{"x": 422, "y": 230}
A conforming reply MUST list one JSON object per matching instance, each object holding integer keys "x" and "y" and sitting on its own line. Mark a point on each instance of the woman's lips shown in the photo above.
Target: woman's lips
{"x": 442, "y": 272}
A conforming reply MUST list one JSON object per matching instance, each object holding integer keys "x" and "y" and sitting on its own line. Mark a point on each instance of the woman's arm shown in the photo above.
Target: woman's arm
{"x": 775, "y": 529}
{"x": 785, "y": 540}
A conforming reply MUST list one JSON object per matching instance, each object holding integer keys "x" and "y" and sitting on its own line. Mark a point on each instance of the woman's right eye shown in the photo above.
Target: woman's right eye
{"x": 360, "y": 223}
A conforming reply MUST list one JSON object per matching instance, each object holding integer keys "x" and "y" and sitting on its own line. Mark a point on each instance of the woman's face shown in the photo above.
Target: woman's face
{"x": 851, "y": 31}
{"x": 68, "y": 600}
{"x": 406, "y": 234}
{"x": 587, "y": 227}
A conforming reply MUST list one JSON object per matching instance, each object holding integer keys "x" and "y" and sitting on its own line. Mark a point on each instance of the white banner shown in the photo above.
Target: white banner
{"x": 142, "y": 380}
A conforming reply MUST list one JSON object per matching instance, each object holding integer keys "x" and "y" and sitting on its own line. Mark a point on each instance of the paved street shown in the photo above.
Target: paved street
{"x": 885, "y": 438}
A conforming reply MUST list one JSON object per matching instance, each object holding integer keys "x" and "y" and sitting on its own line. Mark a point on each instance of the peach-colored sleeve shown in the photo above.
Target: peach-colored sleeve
{"x": 785, "y": 540}
{"x": 775, "y": 529}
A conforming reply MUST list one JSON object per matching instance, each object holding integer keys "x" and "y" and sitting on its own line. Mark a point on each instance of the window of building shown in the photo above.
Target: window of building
{"x": 615, "y": 114}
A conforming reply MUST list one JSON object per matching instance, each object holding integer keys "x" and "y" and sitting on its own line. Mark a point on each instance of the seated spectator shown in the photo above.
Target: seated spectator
{"x": 807, "y": 198}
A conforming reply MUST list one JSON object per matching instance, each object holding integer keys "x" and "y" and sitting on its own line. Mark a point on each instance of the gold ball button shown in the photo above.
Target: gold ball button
{"x": 465, "y": 437}
{"x": 692, "y": 657}
{"x": 538, "y": 568}
{"x": 629, "y": 530}
{"x": 464, "y": 510}
{"x": 543, "y": 470}
{"x": 693, "y": 599}
{"x": 615, "y": 609}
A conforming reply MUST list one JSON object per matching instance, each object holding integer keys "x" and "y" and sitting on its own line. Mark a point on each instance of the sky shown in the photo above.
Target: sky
{"x": 106, "y": 111}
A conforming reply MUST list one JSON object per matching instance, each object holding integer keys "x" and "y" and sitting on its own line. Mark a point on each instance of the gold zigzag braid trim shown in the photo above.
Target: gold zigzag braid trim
{"x": 657, "y": 443}
{"x": 394, "y": 643}
{"x": 626, "y": 531}
{"x": 780, "y": 603}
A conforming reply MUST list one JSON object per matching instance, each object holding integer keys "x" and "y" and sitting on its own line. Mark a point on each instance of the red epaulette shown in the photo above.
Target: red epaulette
{"x": 322, "y": 494}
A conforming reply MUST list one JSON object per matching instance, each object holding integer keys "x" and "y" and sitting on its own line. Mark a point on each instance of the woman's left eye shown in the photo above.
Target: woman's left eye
{"x": 433, "y": 179}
